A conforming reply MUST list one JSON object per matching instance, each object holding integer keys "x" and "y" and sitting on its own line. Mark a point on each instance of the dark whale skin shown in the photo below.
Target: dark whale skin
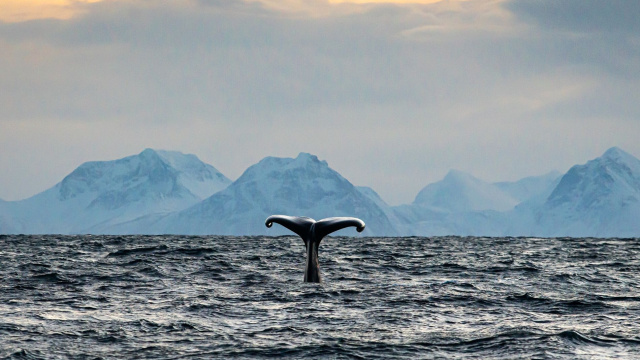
{"x": 312, "y": 232}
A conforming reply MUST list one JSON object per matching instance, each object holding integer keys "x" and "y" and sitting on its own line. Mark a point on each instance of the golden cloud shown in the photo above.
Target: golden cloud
{"x": 23, "y": 10}
{"x": 384, "y": 1}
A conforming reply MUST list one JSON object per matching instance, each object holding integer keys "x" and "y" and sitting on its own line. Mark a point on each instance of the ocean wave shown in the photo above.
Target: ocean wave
{"x": 151, "y": 297}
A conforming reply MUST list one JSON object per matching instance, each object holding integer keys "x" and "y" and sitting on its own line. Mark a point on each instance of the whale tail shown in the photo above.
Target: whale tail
{"x": 300, "y": 225}
{"x": 312, "y": 232}
{"x": 326, "y": 226}
{"x": 303, "y": 226}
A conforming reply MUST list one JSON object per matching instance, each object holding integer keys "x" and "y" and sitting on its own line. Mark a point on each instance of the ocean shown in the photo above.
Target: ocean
{"x": 220, "y": 297}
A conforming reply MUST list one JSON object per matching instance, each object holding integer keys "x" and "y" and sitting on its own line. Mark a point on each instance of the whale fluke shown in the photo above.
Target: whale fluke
{"x": 312, "y": 232}
{"x": 298, "y": 224}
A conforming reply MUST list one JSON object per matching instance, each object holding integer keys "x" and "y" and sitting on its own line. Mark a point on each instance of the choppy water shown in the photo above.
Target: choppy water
{"x": 144, "y": 297}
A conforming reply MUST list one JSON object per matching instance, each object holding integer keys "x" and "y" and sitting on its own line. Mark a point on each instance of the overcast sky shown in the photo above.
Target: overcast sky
{"x": 392, "y": 94}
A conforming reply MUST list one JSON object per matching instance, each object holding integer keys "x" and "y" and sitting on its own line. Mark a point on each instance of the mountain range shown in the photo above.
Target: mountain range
{"x": 167, "y": 192}
{"x": 101, "y": 194}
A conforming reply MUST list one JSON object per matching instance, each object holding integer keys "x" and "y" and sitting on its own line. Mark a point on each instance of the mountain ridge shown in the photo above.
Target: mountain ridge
{"x": 598, "y": 198}
{"x": 469, "y": 192}
{"x": 158, "y": 191}
{"x": 303, "y": 185}
{"x": 100, "y": 193}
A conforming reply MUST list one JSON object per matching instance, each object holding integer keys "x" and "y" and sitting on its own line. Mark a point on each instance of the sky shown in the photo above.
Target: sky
{"x": 392, "y": 94}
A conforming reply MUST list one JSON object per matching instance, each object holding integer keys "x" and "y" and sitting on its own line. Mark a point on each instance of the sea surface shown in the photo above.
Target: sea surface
{"x": 214, "y": 297}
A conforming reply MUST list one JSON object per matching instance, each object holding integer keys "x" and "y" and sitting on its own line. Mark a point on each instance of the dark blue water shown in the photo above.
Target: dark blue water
{"x": 166, "y": 297}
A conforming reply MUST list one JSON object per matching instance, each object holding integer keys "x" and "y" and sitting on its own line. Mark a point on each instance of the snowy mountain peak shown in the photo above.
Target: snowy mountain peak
{"x": 99, "y": 176}
{"x": 99, "y": 194}
{"x": 615, "y": 153}
{"x": 152, "y": 171}
{"x": 304, "y": 158}
{"x": 203, "y": 180}
{"x": 616, "y": 171}
{"x": 177, "y": 159}
{"x": 148, "y": 153}
{"x": 303, "y": 167}
{"x": 301, "y": 186}
{"x": 459, "y": 191}
{"x": 600, "y": 198}
{"x": 620, "y": 156}
{"x": 461, "y": 177}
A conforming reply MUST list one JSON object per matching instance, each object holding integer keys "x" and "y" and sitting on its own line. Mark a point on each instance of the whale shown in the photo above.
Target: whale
{"x": 312, "y": 232}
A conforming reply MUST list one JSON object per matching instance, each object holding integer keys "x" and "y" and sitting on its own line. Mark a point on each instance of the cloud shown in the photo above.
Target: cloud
{"x": 384, "y": 1}
{"x": 391, "y": 95}
{"x": 603, "y": 34}
{"x": 234, "y": 58}
{"x": 230, "y": 59}
{"x": 25, "y": 10}
{"x": 580, "y": 16}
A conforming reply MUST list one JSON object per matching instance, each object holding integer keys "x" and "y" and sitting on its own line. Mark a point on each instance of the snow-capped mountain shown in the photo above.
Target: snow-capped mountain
{"x": 600, "y": 198}
{"x": 304, "y": 186}
{"x": 462, "y": 192}
{"x": 201, "y": 179}
{"x": 100, "y": 194}
{"x": 158, "y": 192}
{"x": 461, "y": 204}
